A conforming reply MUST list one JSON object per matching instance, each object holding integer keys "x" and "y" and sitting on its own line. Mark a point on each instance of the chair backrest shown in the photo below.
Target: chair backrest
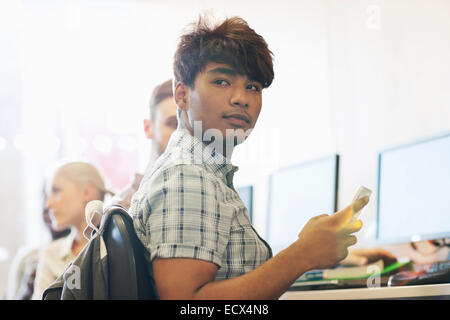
{"x": 130, "y": 275}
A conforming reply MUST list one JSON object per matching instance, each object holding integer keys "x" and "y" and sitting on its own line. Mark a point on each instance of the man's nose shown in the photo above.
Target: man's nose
{"x": 49, "y": 202}
{"x": 240, "y": 98}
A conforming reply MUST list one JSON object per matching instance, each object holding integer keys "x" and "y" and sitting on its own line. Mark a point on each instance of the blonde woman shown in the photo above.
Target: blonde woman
{"x": 71, "y": 186}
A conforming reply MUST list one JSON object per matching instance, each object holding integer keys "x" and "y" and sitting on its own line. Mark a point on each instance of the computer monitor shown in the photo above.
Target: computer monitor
{"x": 246, "y": 194}
{"x": 298, "y": 193}
{"x": 413, "y": 200}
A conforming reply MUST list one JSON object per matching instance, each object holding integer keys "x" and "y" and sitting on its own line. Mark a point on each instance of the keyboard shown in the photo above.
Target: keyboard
{"x": 435, "y": 273}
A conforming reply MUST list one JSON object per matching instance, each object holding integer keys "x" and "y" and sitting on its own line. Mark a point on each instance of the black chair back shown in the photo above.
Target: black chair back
{"x": 130, "y": 275}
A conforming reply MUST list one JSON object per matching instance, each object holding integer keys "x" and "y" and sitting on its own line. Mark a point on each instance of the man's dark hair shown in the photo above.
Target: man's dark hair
{"x": 231, "y": 42}
{"x": 161, "y": 92}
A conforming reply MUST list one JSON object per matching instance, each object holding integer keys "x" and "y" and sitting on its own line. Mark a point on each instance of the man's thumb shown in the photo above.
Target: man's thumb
{"x": 346, "y": 214}
{"x": 343, "y": 216}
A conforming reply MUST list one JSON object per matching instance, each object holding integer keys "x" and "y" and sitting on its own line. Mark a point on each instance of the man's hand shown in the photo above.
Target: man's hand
{"x": 360, "y": 257}
{"x": 327, "y": 237}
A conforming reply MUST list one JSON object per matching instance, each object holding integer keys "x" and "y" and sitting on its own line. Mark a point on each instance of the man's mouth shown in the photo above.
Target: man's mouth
{"x": 52, "y": 214}
{"x": 238, "y": 119}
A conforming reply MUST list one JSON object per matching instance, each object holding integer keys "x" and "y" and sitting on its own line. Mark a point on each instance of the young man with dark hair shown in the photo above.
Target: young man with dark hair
{"x": 187, "y": 213}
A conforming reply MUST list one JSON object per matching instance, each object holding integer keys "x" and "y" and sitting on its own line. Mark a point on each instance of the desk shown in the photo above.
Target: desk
{"x": 405, "y": 292}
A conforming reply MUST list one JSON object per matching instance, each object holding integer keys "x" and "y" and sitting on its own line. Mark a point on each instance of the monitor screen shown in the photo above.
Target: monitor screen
{"x": 414, "y": 191}
{"x": 297, "y": 194}
{"x": 246, "y": 195}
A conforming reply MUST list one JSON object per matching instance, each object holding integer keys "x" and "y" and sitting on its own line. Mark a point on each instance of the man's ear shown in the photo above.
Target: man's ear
{"x": 148, "y": 129}
{"x": 181, "y": 95}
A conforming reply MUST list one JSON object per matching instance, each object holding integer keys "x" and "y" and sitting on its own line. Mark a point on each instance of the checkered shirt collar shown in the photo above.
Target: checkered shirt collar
{"x": 201, "y": 153}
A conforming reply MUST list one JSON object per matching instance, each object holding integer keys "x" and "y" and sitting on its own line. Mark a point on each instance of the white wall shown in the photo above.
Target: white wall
{"x": 357, "y": 77}
{"x": 351, "y": 77}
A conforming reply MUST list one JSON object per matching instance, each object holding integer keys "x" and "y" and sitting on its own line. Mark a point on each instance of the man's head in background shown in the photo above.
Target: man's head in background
{"x": 163, "y": 117}
{"x": 159, "y": 127}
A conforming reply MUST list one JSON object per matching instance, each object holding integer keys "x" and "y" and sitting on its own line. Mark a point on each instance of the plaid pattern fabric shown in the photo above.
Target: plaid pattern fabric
{"x": 186, "y": 207}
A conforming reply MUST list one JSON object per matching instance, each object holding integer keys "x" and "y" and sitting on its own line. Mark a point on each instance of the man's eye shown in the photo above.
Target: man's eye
{"x": 221, "y": 82}
{"x": 253, "y": 87}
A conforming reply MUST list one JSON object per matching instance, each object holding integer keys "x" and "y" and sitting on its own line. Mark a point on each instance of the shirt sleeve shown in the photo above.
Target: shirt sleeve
{"x": 185, "y": 215}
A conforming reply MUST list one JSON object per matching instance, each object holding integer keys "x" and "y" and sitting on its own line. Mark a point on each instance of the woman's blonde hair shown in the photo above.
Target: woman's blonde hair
{"x": 84, "y": 173}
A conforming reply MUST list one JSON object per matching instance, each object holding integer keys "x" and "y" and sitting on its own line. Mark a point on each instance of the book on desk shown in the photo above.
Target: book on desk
{"x": 400, "y": 273}
{"x": 349, "y": 277}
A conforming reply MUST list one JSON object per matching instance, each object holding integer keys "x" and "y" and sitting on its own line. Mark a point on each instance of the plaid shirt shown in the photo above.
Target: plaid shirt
{"x": 186, "y": 207}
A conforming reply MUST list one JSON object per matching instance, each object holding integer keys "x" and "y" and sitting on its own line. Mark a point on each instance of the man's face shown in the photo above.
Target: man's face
{"x": 164, "y": 123}
{"x": 223, "y": 99}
